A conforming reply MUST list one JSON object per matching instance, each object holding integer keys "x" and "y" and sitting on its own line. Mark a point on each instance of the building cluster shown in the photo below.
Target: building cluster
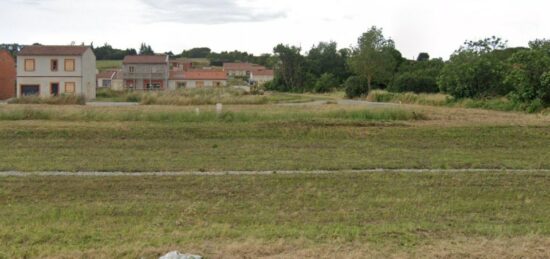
{"x": 55, "y": 70}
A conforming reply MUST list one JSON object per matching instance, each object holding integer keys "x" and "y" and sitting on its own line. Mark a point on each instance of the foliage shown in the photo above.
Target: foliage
{"x": 290, "y": 73}
{"x": 12, "y": 48}
{"x": 417, "y": 76}
{"x": 325, "y": 58}
{"x": 356, "y": 87}
{"x": 375, "y": 57}
{"x": 107, "y": 52}
{"x": 326, "y": 83}
{"x": 529, "y": 76}
{"x": 145, "y": 49}
{"x": 423, "y": 57}
{"x": 476, "y": 72}
{"x": 202, "y": 52}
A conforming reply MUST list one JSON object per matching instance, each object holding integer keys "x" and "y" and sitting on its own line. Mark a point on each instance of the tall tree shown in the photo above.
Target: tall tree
{"x": 374, "y": 57}
{"x": 325, "y": 58}
{"x": 145, "y": 49}
{"x": 423, "y": 56}
{"x": 290, "y": 70}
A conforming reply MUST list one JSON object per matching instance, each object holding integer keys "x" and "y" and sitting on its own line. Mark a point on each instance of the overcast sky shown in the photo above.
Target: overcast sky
{"x": 435, "y": 26}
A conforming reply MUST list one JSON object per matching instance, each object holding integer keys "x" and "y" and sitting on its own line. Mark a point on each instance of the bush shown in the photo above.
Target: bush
{"x": 325, "y": 83}
{"x": 356, "y": 87}
{"x": 414, "y": 82}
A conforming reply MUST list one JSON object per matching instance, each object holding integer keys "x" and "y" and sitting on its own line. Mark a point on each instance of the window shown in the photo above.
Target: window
{"x": 29, "y": 64}
{"x": 70, "y": 87}
{"x": 69, "y": 65}
{"x": 153, "y": 86}
{"x": 29, "y": 90}
{"x": 217, "y": 84}
{"x": 131, "y": 69}
{"x": 181, "y": 85}
{"x": 200, "y": 84}
{"x": 53, "y": 65}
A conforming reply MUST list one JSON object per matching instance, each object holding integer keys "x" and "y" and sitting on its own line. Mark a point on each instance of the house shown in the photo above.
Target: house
{"x": 240, "y": 69}
{"x": 7, "y": 75}
{"x": 260, "y": 77}
{"x": 197, "y": 79}
{"x": 146, "y": 72}
{"x": 54, "y": 70}
{"x": 117, "y": 83}
{"x": 105, "y": 78}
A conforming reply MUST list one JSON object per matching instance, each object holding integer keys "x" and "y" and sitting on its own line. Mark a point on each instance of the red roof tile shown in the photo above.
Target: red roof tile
{"x": 146, "y": 59}
{"x": 263, "y": 72}
{"x": 39, "y": 50}
{"x": 108, "y": 74}
{"x": 198, "y": 75}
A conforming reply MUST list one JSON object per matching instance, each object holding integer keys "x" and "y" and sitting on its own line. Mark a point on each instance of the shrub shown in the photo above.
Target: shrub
{"x": 325, "y": 83}
{"x": 56, "y": 100}
{"x": 356, "y": 87}
{"x": 414, "y": 82}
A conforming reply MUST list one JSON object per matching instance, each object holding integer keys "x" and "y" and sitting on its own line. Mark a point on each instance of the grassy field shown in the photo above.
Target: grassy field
{"x": 346, "y": 215}
{"x": 108, "y": 64}
{"x": 267, "y": 137}
{"x": 341, "y": 215}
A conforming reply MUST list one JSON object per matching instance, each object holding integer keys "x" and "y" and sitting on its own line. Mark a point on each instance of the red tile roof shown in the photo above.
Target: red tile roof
{"x": 198, "y": 75}
{"x": 107, "y": 74}
{"x": 263, "y": 72}
{"x": 241, "y": 66}
{"x": 146, "y": 59}
{"x": 39, "y": 50}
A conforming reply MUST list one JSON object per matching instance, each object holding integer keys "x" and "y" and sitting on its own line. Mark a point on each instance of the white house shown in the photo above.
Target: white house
{"x": 54, "y": 70}
{"x": 197, "y": 79}
{"x": 260, "y": 77}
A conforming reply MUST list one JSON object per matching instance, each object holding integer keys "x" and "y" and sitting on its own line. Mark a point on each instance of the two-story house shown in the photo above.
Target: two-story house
{"x": 54, "y": 70}
{"x": 146, "y": 72}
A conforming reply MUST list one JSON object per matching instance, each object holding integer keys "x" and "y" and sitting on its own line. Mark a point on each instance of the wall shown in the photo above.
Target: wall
{"x": 172, "y": 85}
{"x": 7, "y": 75}
{"x": 89, "y": 72}
{"x": 44, "y": 83}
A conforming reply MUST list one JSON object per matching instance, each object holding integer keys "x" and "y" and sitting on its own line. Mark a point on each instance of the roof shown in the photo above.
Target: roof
{"x": 109, "y": 74}
{"x": 198, "y": 75}
{"x": 41, "y": 50}
{"x": 262, "y": 72}
{"x": 146, "y": 59}
{"x": 241, "y": 66}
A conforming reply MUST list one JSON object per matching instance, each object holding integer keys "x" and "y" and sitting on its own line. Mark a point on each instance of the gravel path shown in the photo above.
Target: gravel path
{"x": 236, "y": 173}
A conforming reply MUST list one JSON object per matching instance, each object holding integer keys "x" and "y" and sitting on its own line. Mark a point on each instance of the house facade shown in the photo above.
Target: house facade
{"x": 240, "y": 69}
{"x": 7, "y": 75}
{"x": 197, "y": 79}
{"x": 55, "y": 70}
{"x": 146, "y": 72}
{"x": 260, "y": 77}
{"x": 105, "y": 78}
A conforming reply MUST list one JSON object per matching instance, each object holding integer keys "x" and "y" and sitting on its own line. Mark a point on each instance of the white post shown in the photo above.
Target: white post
{"x": 197, "y": 111}
{"x": 219, "y": 108}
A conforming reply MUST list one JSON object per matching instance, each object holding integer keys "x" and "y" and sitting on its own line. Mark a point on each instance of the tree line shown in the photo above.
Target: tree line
{"x": 486, "y": 68}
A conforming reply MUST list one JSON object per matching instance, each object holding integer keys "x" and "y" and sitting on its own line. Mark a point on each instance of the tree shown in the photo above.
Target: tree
{"x": 423, "y": 56}
{"x": 145, "y": 49}
{"x": 325, "y": 83}
{"x": 477, "y": 70}
{"x": 325, "y": 58}
{"x": 290, "y": 70}
{"x": 202, "y": 52}
{"x": 529, "y": 75}
{"x": 356, "y": 87}
{"x": 417, "y": 76}
{"x": 374, "y": 57}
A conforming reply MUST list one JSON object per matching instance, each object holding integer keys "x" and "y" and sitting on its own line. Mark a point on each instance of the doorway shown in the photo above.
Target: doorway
{"x": 54, "y": 89}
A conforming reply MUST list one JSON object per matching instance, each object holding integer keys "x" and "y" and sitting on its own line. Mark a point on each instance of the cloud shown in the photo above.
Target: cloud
{"x": 209, "y": 11}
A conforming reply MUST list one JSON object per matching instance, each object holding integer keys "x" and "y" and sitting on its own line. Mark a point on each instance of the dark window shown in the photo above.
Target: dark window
{"x": 53, "y": 64}
{"x": 131, "y": 69}
{"x": 28, "y": 90}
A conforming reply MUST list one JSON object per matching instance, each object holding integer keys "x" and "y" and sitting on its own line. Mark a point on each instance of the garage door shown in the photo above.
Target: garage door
{"x": 27, "y": 90}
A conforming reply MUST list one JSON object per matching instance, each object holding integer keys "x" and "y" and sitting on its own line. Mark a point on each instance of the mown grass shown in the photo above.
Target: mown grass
{"x": 206, "y": 96}
{"x": 332, "y": 140}
{"x": 108, "y": 64}
{"x": 55, "y": 100}
{"x": 144, "y": 217}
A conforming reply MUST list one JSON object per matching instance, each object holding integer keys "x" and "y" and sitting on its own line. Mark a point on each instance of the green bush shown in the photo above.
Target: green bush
{"x": 325, "y": 83}
{"x": 356, "y": 87}
{"x": 414, "y": 82}
{"x": 55, "y": 100}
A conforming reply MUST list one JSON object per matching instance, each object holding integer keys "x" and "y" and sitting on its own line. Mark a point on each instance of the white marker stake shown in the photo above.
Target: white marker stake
{"x": 219, "y": 108}
{"x": 197, "y": 111}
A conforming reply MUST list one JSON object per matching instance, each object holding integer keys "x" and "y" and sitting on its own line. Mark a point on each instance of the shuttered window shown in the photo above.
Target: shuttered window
{"x": 69, "y": 65}
{"x": 29, "y": 65}
{"x": 70, "y": 87}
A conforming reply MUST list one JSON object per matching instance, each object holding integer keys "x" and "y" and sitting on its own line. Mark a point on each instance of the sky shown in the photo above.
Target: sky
{"x": 438, "y": 27}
